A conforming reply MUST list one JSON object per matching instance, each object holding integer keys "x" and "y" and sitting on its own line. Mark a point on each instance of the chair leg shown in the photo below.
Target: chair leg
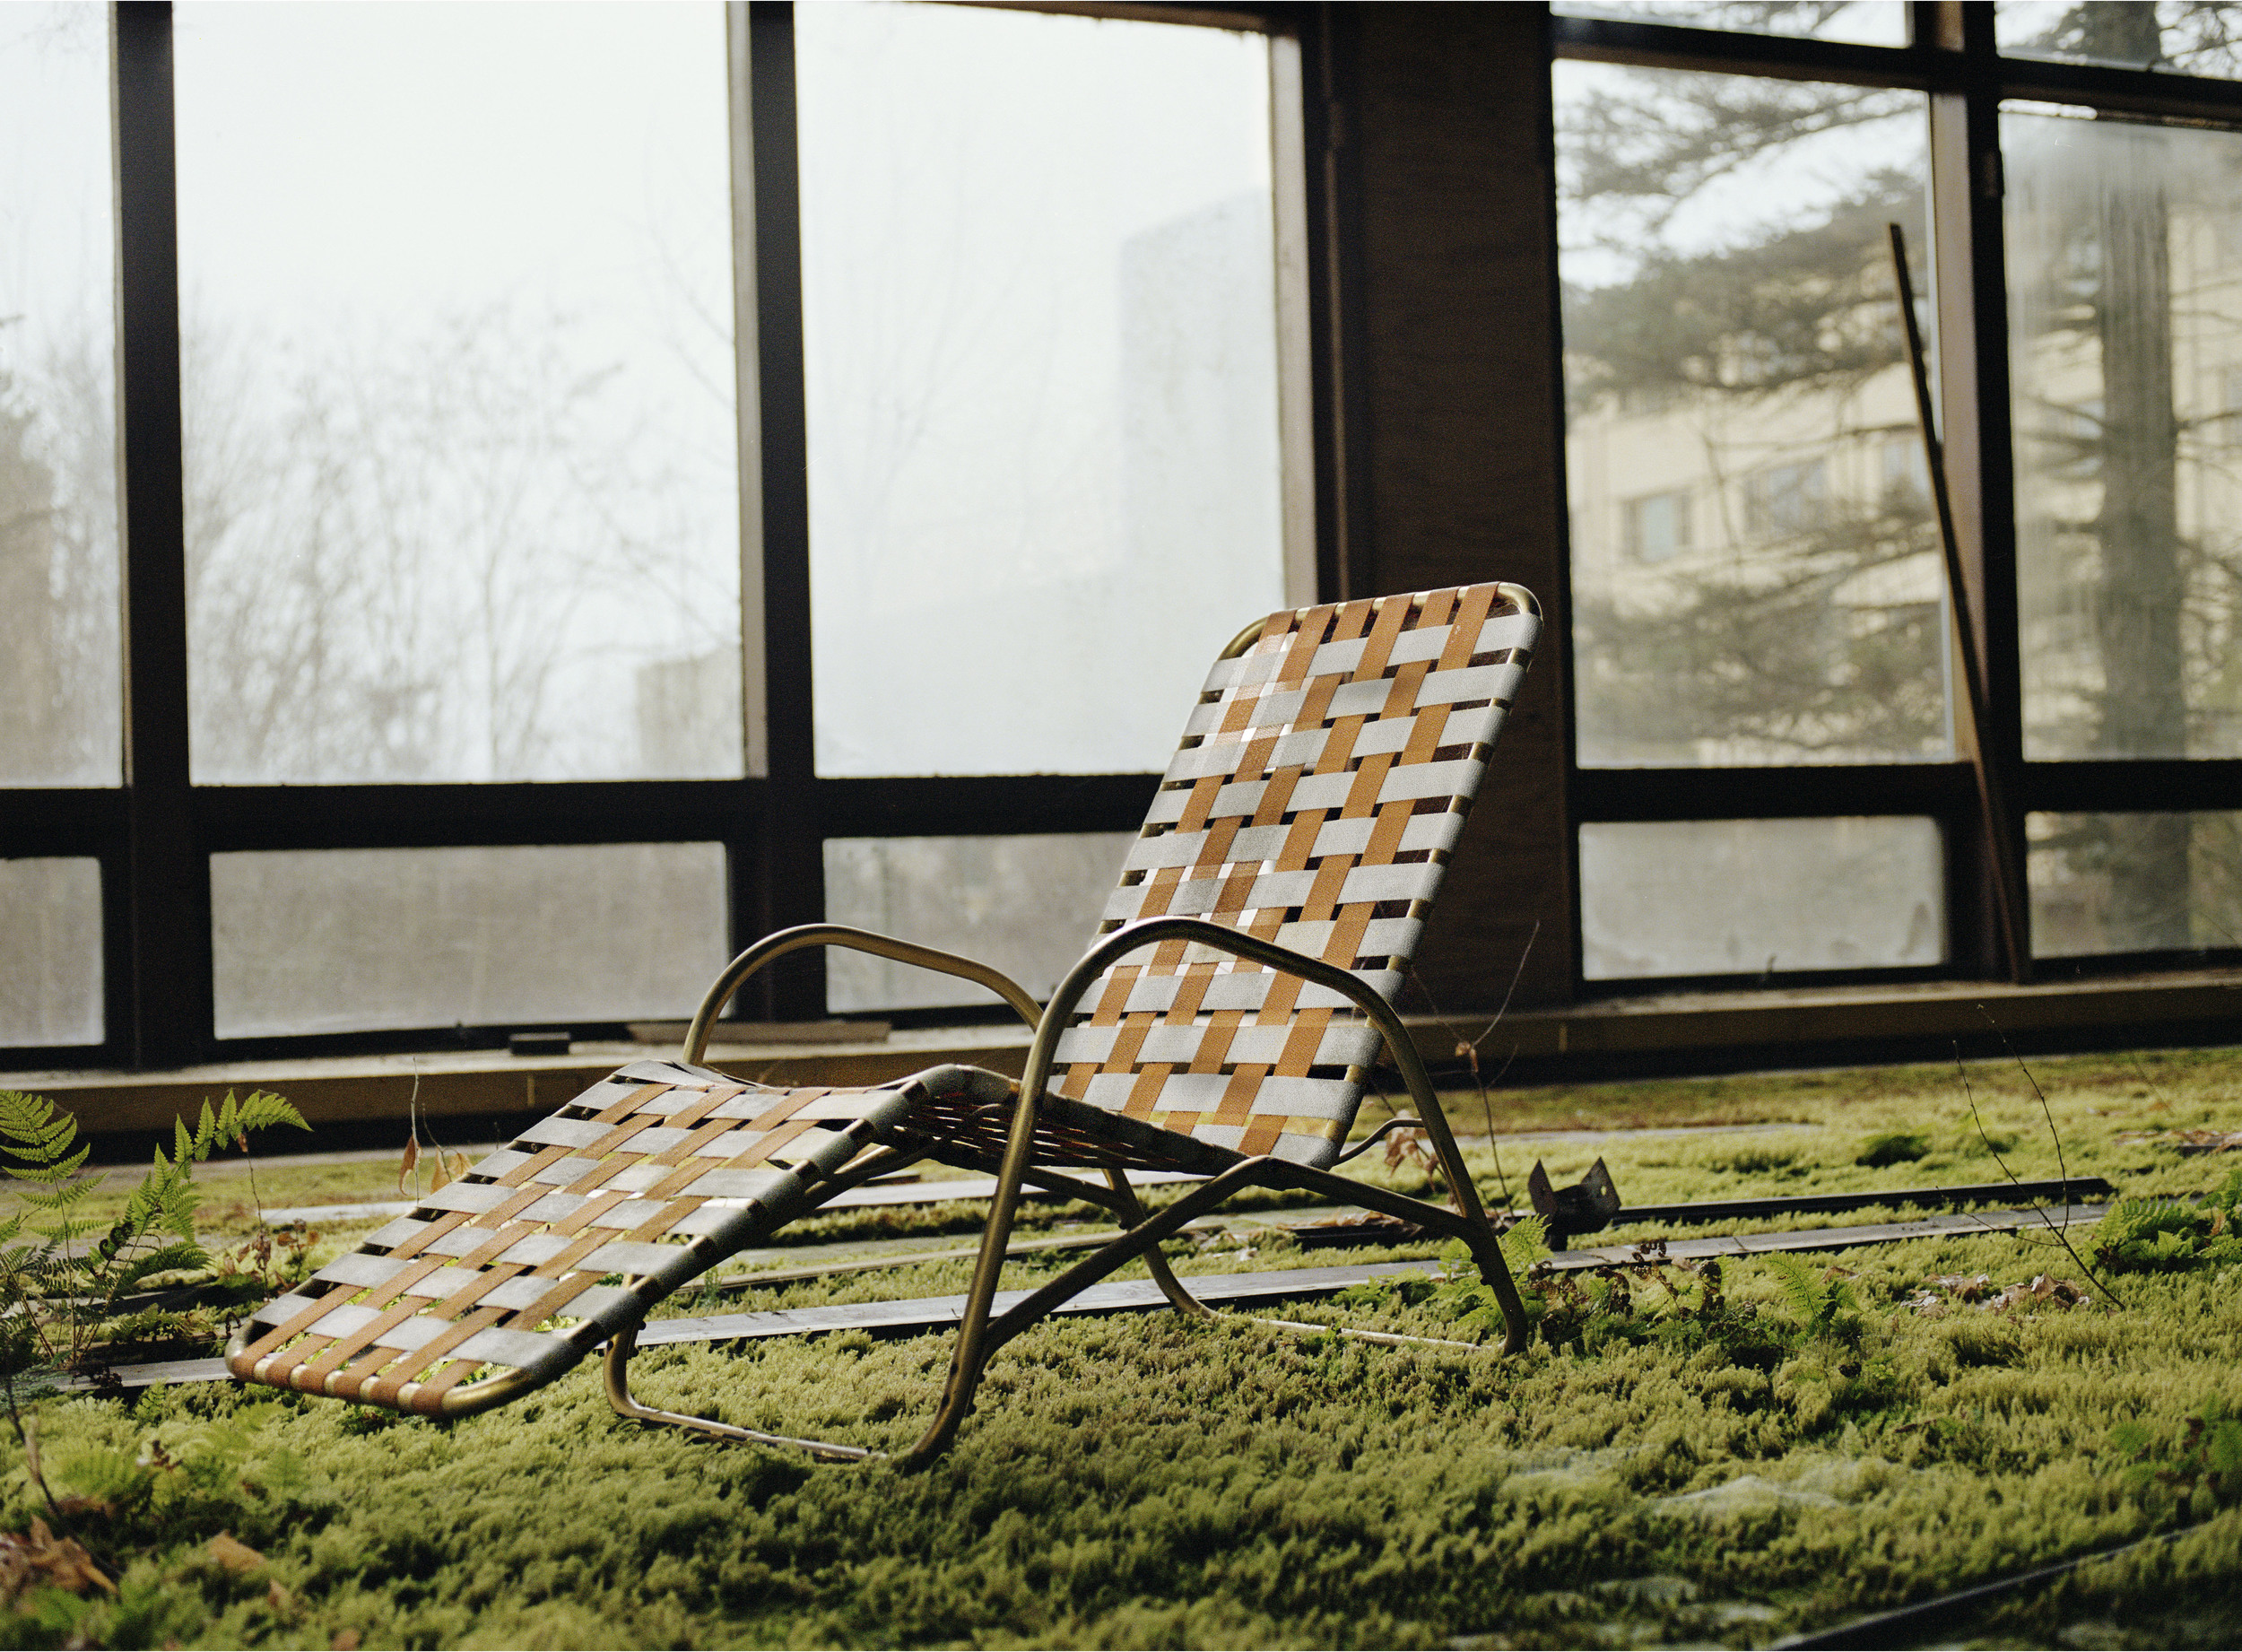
{"x": 1132, "y": 1214}
{"x": 983, "y": 1332}
{"x": 616, "y": 1373}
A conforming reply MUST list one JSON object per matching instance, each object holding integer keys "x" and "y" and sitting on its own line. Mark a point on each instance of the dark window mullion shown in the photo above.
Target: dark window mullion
{"x": 479, "y": 814}
{"x": 2105, "y": 86}
{"x": 1941, "y": 790}
{"x": 2121, "y": 786}
{"x": 783, "y": 882}
{"x": 165, "y": 882}
{"x": 1774, "y": 55}
{"x": 968, "y": 806}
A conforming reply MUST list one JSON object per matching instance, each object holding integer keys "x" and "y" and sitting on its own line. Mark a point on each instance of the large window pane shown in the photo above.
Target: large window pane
{"x": 2183, "y": 36}
{"x": 60, "y": 678}
{"x": 2124, "y": 246}
{"x": 50, "y": 971}
{"x": 2134, "y": 882}
{"x": 1761, "y": 897}
{"x": 1040, "y": 305}
{"x": 349, "y": 939}
{"x": 1756, "y": 573}
{"x": 1028, "y": 906}
{"x": 1870, "y": 22}
{"x": 461, "y": 463}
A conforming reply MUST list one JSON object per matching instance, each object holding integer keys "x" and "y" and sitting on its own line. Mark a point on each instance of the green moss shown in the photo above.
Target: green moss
{"x": 1143, "y": 1480}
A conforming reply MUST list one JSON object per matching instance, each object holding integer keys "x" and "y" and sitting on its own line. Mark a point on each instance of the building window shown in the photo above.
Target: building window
{"x": 1785, "y": 501}
{"x": 1658, "y": 527}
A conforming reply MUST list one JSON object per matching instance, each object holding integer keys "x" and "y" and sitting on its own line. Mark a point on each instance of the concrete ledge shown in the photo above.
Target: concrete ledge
{"x": 489, "y": 1083}
{"x": 1676, "y": 1032}
{"x": 1929, "y": 1011}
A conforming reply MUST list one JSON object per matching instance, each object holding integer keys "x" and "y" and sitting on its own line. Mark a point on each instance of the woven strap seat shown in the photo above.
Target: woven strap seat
{"x": 656, "y": 1173}
{"x": 1321, "y": 785}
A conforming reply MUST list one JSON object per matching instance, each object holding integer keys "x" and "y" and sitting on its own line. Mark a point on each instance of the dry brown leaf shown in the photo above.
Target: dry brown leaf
{"x": 41, "y": 1557}
{"x": 439, "y": 1175}
{"x": 460, "y": 1165}
{"x": 230, "y": 1552}
{"x": 404, "y": 1165}
{"x": 346, "y": 1641}
{"x": 278, "y": 1597}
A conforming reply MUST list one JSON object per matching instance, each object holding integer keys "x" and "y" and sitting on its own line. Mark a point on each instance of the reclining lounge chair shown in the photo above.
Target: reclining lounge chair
{"x": 1222, "y": 1025}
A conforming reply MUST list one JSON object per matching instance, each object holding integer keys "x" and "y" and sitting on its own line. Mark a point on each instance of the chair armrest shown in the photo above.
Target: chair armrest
{"x": 1148, "y": 931}
{"x": 779, "y": 944}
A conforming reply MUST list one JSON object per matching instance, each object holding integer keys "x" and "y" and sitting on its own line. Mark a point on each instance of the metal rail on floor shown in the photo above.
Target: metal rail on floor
{"x": 1274, "y": 1284}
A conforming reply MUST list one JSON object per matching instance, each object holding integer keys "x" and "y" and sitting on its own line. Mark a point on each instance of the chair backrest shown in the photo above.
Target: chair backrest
{"x": 1320, "y": 787}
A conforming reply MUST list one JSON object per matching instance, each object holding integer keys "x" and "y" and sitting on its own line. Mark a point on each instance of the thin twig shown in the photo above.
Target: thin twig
{"x": 2062, "y": 1168}
{"x": 1469, "y": 1050}
{"x": 2134, "y": 1057}
{"x": 2062, "y": 1238}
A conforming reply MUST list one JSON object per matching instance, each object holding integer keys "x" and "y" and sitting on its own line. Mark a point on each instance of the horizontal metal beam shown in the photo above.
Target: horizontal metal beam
{"x": 2134, "y": 91}
{"x": 2153, "y": 785}
{"x": 337, "y": 817}
{"x": 1941, "y": 789}
{"x": 358, "y": 817}
{"x": 1722, "y": 52}
{"x": 985, "y": 804}
{"x": 63, "y": 821}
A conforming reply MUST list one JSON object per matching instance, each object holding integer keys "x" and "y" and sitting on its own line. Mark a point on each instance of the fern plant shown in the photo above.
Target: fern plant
{"x": 64, "y": 1275}
{"x": 1820, "y": 1301}
{"x": 2144, "y": 1234}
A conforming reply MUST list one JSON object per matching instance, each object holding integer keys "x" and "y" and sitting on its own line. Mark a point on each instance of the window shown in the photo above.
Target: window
{"x": 461, "y": 441}
{"x": 1039, "y": 269}
{"x": 651, "y": 475}
{"x": 1745, "y": 353}
{"x": 1729, "y": 297}
{"x": 1658, "y": 527}
{"x": 59, "y": 670}
{"x": 1785, "y": 501}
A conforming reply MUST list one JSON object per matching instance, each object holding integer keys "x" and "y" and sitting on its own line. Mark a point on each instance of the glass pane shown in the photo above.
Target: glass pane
{"x": 1755, "y": 564}
{"x": 2125, "y": 247}
{"x": 351, "y": 940}
{"x": 61, "y": 676}
{"x": 1869, "y": 23}
{"x": 50, "y": 985}
{"x": 2134, "y": 882}
{"x": 1039, "y": 280}
{"x": 2182, "y": 37}
{"x": 1761, "y": 897}
{"x": 1028, "y": 906}
{"x": 461, "y": 463}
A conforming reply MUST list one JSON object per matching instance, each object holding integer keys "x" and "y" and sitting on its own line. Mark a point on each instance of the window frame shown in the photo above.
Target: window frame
{"x": 1952, "y": 56}
{"x": 154, "y": 834}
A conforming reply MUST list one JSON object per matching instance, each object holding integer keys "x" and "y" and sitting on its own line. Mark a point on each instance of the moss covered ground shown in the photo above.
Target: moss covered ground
{"x": 1684, "y": 1472}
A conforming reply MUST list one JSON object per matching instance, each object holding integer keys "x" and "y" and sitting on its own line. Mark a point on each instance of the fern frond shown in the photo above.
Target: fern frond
{"x": 1526, "y": 1243}
{"x": 182, "y": 1257}
{"x": 1803, "y": 1294}
{"x": 263, "y": 1110}
{"x": 39, "y": 1136}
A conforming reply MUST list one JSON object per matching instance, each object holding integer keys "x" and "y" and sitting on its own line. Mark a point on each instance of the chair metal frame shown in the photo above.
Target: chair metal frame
{"x": 983, "y": 1331}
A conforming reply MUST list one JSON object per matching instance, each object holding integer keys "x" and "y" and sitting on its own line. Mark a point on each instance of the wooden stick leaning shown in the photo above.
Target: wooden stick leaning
{"x": 1992, "y": 801}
